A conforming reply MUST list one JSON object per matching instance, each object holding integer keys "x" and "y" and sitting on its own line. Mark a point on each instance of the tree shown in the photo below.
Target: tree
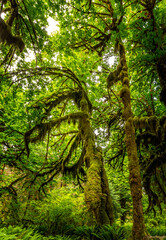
{"x": 98, "y": 30}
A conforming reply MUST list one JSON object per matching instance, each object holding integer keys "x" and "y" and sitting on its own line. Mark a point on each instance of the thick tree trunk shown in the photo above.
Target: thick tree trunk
{"x": 97, "y": 194}
{"x": 138, "y": 230}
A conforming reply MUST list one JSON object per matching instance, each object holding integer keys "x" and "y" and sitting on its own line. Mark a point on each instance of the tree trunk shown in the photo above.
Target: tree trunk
{"x": 123, "y": 205}
{"x": 161, "y": 69}
{"x": 138, "y": 230}
{"x": 97, "y": 194}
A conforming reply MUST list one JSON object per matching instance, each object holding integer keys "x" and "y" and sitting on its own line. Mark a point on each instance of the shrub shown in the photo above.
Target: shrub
{"x": 60, "y": 213}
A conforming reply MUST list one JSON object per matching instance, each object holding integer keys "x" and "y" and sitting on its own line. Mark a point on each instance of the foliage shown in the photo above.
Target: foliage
{"x": 106, "y": 232}
{"x": 40, "y": 110}
{"x": 12, "y": 233}
{"x": 63, "y": 210}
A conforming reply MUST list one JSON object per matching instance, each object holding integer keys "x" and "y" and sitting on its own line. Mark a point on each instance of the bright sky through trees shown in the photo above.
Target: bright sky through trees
{"x": 52, "y": 26}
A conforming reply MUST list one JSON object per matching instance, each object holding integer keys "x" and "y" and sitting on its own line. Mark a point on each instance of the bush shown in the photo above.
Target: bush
{"x": 60, "y": 213}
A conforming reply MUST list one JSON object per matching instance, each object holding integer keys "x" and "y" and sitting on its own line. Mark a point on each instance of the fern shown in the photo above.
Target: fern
{"x": 15, "y": 233}
{"x": 113, "y": 232}
{"x": 58, "y": 237}
{"x": 86, "y": 232}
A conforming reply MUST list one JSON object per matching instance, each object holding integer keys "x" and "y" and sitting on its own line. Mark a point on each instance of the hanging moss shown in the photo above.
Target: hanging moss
{"x": 142, "y": 122}
{"x": 136, "y": 122}
{"x": 153, "y": 123}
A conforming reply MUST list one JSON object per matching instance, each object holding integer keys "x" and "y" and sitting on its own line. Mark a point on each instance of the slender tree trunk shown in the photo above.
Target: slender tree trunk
{"x": 161, "y": 69}
{"x": 123, "y": 205}
{"x": 97, "y": 194}
{"x": 138, "y": 230}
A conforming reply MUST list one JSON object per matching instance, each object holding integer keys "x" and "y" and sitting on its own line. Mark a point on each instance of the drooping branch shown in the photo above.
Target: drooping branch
{"x": 45, "y": 71}
{"x": 56, "y": 98}
{"x": 76, "y": 167}
{"x": 43, "y": 128}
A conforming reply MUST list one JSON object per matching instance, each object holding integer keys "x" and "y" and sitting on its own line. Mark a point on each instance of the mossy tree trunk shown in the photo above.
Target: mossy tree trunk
{"x": 97, "y": 194}
{"x": 161, "y": 69}
{"x": 138, "y": 230}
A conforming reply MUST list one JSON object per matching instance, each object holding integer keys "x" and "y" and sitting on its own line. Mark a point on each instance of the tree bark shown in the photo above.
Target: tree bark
{"x": 97, "y": 194}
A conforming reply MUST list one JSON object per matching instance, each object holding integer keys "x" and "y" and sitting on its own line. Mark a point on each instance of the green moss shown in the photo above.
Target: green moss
{"x": 112, "y": 78}
{"x": 123, "y": 61}
{"x": 136, "y": 122}
{"x": 125, "y": 69}
{"x": 121, "y": 49}
{"x": 84, "y": 105}
{"x": 122, "y": 74}
{"x": 153, "y": 123}
{"x": 125, "y": 92}
{"x": 126, "y": 81}
{"x": 119, "y": 68}
{"x": 143, "y": 123}
{"x": 93, "y": 190}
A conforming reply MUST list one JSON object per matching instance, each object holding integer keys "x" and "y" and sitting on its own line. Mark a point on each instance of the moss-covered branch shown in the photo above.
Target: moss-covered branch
{"x": 45, "y": 127}
{"x": 56, "y": 98}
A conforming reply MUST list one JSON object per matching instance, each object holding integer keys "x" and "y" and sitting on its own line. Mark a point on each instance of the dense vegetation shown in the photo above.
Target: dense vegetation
{"x": 83, "y": 119}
